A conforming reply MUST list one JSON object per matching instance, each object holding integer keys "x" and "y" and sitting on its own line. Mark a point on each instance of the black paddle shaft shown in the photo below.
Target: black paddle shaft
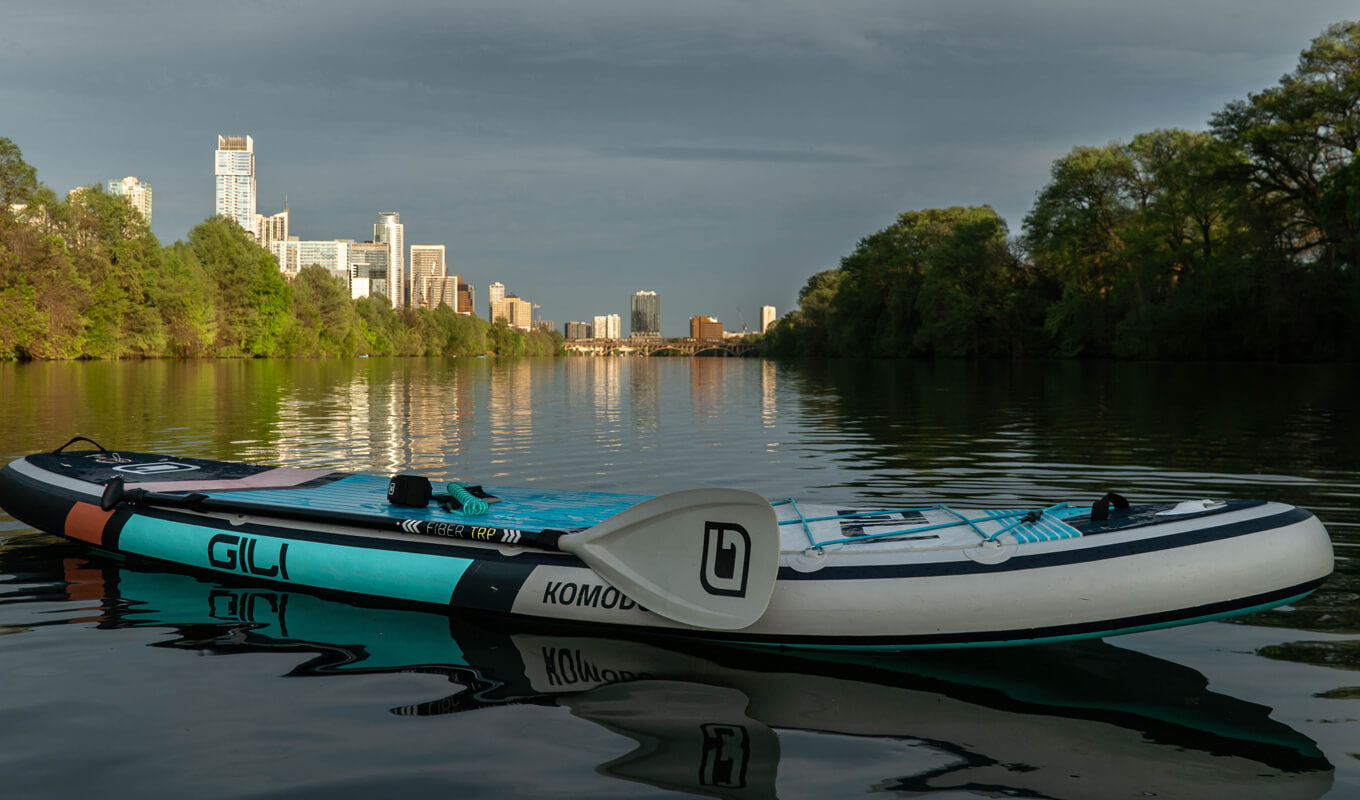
{"x": 114, "y": 493}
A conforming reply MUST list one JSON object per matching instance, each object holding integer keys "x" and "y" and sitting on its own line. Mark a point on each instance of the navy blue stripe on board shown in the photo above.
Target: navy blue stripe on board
{"x": 491, "y": 585}
{"x": 1063, "y": 558}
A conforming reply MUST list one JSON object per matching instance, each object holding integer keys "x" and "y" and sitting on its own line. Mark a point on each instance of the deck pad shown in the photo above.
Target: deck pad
{"x": 802, "y": 526}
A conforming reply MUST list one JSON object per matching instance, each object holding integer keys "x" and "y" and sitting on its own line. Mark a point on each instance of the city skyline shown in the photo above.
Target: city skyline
{"x": 719, "y": 154}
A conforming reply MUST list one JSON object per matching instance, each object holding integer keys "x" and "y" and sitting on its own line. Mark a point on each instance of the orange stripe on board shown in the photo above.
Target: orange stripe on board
{"x": 86, "y": 522}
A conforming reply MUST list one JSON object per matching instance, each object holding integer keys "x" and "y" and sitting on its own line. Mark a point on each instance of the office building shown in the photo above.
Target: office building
{"x": 388, "y": 230}
{"x": 767, "y": 318}
{"x": 578, "y": 330}
{"x": 705, "y": 328}
{"x": 494, "y": 294}
{"x": 138, "y": 194}
{"x": 517, "y": 312}
{"x": 427, "y": 262}
{"x": 234, "y": 168}
{"x": 437, "y": 290}
{"x": 333, "y": 255}
{"x": 608, "y": 326}
{"x": 467, "y": 299}
{"x": 646, "y": 317}
{"x": 369, "y": 271}
{"x": 269, "y": 230}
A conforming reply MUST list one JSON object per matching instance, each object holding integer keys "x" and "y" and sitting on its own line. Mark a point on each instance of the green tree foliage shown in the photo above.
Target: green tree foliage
{"x": 505, "y": 340}
{"x": 253, "y": 298}
{"x": 187, "y": 302}
{"x": 1239, "y": 242}
{"x": 1297, "y": 136}
{"x": 325, "y": 320}
{"x": 85, "y": 278}
{"x": 18, "y": 180}
{"x": 937, "y": 281}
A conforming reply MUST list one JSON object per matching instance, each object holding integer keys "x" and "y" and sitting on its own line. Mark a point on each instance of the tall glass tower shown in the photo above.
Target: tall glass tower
{"x": 391, "y": 232}
{"x": 235, "y": 171}
{"x": 646, "y": 320}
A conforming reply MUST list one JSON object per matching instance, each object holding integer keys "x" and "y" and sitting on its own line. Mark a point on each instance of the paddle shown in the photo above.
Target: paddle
{"x": 702, "y": 557}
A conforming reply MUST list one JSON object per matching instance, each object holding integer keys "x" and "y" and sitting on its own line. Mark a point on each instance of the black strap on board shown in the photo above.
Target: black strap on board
{"x": 1100, "y": 509}
{"x": 57, "y": 452}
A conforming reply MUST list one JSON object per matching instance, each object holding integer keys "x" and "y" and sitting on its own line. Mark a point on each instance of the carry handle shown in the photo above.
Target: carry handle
{"x": 1100, "y": 509}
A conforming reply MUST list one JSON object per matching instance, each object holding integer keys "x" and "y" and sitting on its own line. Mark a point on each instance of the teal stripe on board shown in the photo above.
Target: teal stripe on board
{"x": 407, "y": 576}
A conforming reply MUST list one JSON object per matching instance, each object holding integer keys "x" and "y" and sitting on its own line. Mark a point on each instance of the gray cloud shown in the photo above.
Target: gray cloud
{"x": 718, "y": 152}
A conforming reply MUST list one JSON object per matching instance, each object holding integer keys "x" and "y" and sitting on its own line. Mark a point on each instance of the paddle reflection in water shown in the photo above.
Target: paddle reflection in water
{"x": 1081, "y": 720}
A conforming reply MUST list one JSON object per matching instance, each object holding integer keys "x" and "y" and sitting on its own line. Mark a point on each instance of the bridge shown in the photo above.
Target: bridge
{"x": 651, "y": 347}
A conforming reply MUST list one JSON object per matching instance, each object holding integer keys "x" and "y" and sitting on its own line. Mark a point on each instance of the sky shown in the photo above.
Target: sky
{"x": 578, "y": 151}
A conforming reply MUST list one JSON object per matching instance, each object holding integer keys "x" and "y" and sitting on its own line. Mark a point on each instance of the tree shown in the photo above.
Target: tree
{"x": 327, "y": 323}
{"x": 253, "y": 298}
{"x": 18, "y": 180}
{"x": 185, "y": 298}
{"x": 969, "y": 293}
{"x": 1296, "y": 135}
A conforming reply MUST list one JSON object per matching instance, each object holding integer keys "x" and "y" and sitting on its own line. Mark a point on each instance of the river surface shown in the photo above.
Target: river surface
{"x": 124, "y": 679}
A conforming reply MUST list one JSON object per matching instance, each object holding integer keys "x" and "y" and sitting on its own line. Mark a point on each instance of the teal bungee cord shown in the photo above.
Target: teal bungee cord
{"x": 472, "y": 505}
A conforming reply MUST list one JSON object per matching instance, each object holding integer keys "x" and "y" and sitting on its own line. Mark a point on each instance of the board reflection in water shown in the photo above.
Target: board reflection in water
{"x": 1080, "y": 720}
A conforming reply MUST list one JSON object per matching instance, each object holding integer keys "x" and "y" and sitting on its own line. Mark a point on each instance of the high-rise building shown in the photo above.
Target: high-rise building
{"x": 389, "y": 230}
{"x": 293, "y": 255}
{"x": 608, "y": 326}
{"x": 235, "y": 171}
{"x": 467, "y": 299}
{"x": 437, "y": 290}
{"x": 578, "y": 330}
{"x": 705, "y": 328}
{"x": 766, "y": 318}
{"x": 517, "y": 313}
{"x": 269, "y": 230}
{"x": 646, "y": 321}
{"x": 368, "y": 270}
{"x": 137, "y": 193}
{"x": 494, "y": 294}
{"x": 427, "y": 262}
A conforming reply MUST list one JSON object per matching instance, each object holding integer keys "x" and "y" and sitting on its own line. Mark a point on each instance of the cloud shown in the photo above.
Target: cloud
{"x": 766, "y": 155}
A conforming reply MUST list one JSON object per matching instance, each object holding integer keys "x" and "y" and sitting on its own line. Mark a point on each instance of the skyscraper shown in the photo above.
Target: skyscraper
{"x": 136, "y": 192}
{"x": 766, "y": 318}
{"x": 427, "y": 263}
{"x": 467, "y": 299}
{"x": 369, "y": 271}
{"x": 235, "y": 171}
{"x": 389, "y": 230}
{"x": 495, "y": 293}
{"x": 607, "y": 326}
{"x": 646, "y": 318}
{"x": 269, "y": 230}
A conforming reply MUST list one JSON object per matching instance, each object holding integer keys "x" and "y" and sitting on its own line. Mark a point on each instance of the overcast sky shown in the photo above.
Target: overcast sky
{"x": 577, "y": 151}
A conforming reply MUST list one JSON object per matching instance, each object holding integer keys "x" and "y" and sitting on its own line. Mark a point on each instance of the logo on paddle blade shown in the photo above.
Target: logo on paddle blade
{"x": 727, "y": 559}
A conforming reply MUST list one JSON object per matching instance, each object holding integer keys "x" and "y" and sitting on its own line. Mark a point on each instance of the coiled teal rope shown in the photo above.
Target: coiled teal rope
{"x": 472, "y": 505}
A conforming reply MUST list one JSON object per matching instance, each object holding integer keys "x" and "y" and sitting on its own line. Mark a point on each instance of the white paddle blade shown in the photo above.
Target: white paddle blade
{"x": 702, "y": 557}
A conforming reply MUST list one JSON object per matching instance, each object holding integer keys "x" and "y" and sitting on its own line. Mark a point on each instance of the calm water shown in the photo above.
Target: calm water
{"x": 122, "y": 679}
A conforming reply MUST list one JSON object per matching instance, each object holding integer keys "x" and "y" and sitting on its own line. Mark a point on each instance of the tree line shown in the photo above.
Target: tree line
{"x": 84, "y": 277}
{"x": 1240, "y": 242}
